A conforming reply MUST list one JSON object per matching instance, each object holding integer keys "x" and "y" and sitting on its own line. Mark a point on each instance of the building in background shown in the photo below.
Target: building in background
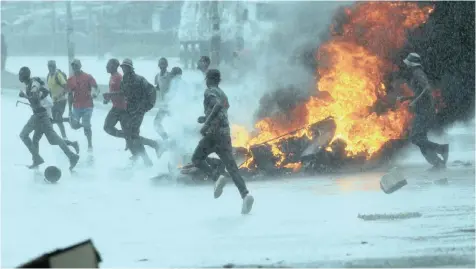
{"x": 124, "y": 28}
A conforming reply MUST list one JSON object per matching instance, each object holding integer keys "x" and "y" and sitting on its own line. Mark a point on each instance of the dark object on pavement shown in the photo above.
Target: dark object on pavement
{"x": 52, "y": 174}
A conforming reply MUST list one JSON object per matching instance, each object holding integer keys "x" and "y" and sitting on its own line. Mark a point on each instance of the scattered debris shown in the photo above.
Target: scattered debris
{"x": 398, "y": 216}
{"x": 229, "y": 265}
{"x": 364, "y": 242}
{"x": 143, "y": 260}
{"x": 392, "y": 181}
{"x": 461, "y": 163}
{"x": 441, "y": 181}
{"x": 467, "y": 230}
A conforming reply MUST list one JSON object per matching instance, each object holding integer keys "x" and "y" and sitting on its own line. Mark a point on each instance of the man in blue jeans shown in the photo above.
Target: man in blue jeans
{"x": 83, "y": 88}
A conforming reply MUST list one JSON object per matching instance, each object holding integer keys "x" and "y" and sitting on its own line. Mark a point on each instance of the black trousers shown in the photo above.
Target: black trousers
{"x": 221, "y": 145}
{"x": 130, "y": 129}
{"x": 41, "y": 124}
{"x": 58, "y": 111}
{"x": 419, "y": 136}
{"x": 114, "y": 116}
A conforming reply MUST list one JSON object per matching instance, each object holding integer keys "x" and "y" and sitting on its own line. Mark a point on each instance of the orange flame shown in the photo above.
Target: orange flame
{"x": 352, "y": 67}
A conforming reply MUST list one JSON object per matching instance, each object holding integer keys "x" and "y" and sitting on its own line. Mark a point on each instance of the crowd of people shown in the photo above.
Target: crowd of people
{"x": 132, "y": 96}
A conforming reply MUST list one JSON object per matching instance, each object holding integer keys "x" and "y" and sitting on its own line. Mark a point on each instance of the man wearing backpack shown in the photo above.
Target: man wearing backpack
{"x": 56, "y": 81}
{"x": 40, "y": 121}
{"x": 118, "y": 113}
{"x": 140, "y": 97}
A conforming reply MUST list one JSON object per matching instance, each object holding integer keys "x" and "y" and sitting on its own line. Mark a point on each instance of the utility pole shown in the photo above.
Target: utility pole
{"x": 241, "y": 14}
{"x": 69, "y": 35}
{"x": 53, "y": 24}
{"x": 215, "y": 42}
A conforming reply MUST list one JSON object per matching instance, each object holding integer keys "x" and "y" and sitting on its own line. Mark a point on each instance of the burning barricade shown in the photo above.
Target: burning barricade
{"x": 340, "y": 124}
{"x": 343, "y": 122}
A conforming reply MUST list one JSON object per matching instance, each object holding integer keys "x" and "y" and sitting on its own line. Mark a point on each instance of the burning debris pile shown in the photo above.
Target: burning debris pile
{"x": 339, "y": 124}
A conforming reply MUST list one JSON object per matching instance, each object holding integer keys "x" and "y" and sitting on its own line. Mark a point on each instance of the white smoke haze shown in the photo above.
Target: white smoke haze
{"x": 271, "y": 46}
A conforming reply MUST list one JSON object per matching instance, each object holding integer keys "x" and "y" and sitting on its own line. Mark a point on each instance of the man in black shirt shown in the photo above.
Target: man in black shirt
{"x": 424, "y": 109}
{"x": 216, "y": 138}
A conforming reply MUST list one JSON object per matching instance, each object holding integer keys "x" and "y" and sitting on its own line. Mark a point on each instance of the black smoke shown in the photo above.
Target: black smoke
{"x": 446, "y": 43}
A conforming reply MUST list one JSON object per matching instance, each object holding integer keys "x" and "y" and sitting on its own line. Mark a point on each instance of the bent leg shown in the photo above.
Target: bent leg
{"x": 204, "y": 148}
{"x": 58, "y": 111}
{"x": 112, "y": 118}
{"x": 225, "y": 152}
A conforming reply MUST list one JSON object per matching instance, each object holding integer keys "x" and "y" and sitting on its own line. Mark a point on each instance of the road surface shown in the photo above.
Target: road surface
{"x": 306, "y": 222}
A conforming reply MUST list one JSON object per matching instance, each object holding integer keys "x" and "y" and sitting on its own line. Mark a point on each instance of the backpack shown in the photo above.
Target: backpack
{"x": 151, "y": 97}
{"x": 62, "y": 74}
{"x": 59, "y": 72}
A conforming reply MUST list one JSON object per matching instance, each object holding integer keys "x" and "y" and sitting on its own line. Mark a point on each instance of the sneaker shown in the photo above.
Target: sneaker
{"x": 445, "y": 152}
{"x": 36, "y": 162}
{"x": 73, "y": 161}
{"x": 219, "y": 185}
{"x": 247, "y": 204}
{"x": 437, "y": 167}
{"x": 75, "y": 146}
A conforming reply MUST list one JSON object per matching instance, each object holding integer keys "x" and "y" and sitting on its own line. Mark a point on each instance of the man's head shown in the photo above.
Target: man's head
{"x": 176, "y": 72}
{"x": 24, "y": 74}
{"x": 76, "y": 66}
{"x": 127, "y": 66}
{"x": 163, "y": 63}
{"x": 51, "y": 66}
{"x": 412, "y": 60}
{"x": 213, "y": 77}
{"x": 112, "y": 65}
{"x": 203, "y": 63}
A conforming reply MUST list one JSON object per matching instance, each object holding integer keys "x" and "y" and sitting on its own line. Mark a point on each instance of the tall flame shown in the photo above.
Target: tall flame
{"x": 352, "y": 67}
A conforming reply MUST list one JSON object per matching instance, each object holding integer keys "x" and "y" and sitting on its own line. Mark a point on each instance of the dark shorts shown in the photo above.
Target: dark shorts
{"x": 58, "y": 110}
{"x": 114, "y": 116}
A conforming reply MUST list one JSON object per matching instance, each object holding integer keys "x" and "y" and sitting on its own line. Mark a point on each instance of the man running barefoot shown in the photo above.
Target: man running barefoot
{"x": 56, "y": 81}
{"x": 84, "y": 88}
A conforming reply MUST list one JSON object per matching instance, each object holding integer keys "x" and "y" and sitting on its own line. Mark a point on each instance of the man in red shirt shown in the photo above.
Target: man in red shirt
{"x": 84, "y": 88}
{"x": 118, "y": 102}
